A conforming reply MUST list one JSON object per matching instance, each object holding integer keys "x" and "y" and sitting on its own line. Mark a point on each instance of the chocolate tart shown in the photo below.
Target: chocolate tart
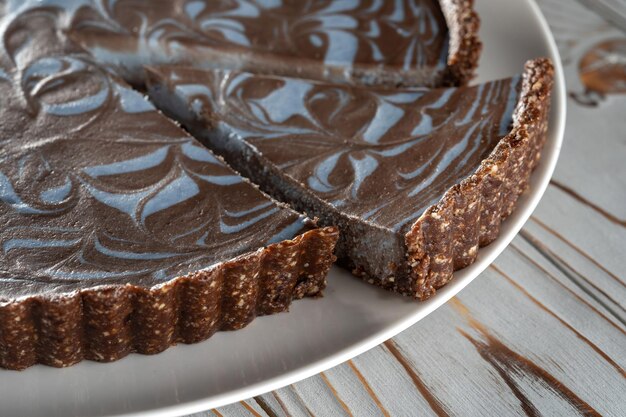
{"x": 416, "y": 179}
{"x": 387, "y": 42}
{"x": 121, "y": 233}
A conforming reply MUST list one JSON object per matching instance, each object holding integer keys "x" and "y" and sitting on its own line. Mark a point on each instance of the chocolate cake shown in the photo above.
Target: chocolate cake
{"x": 416, "y": 179}
{"x": 121, "y": 233}
{"x": 386, "y": 42}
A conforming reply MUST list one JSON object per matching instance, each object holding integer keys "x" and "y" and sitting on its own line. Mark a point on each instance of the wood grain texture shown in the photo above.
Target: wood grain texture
{"x": 543, "y": 330}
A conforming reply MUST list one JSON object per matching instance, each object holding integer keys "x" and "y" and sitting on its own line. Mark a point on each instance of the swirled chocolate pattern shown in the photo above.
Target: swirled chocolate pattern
{"x": 97, "y": 187}
{"x": 371, "y": 41}
{"x": 380, "y": 156}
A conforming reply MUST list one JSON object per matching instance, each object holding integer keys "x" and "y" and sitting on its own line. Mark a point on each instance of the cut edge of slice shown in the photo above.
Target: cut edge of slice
{"x": 447, "y": 235}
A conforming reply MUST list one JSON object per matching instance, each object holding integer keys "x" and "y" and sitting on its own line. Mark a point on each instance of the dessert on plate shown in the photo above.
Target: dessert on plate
{"x": 384, "y": 42}
{"x": 416, "y": 179}
{"x": 121, "y": 233}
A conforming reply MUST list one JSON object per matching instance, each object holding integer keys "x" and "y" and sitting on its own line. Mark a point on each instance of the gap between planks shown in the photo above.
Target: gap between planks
{"x": 577, "y": 296}
{"x": 577, "y": 249}
{"x": 569, "y": 272}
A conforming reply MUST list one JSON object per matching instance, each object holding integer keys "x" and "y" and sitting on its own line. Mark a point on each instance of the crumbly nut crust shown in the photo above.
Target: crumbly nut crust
{"x": 465, "y": 46}
{"x": 106, "y": 323}
{"x": 447, "y": 236}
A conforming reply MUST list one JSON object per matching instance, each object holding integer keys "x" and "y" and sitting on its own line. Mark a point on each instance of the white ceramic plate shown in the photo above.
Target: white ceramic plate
{"x": 317, "y": 334}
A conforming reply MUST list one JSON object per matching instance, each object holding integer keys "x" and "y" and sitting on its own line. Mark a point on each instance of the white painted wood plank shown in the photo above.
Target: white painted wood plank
{"x": 290, "y": 403}
{"x": 455, "y": 377}
{"x": 548, "y": 293}
{"x": 595, "y": 286}
{"x": 473, "y": 348}
{"x": 591, "y": 161}
{"x": 254, "y": 408}
{"x": 559, "y": 287}
{"x": 271, "y": 405}
{"x": 597, "y": 236}
{"x": 571, "y": 23}
{"x": 240, "y": 409}
{"x": 613, "y": 11}
{"x": 354, "y": 392}
{"x": 391, "y": 383}
{"x": 578, "y": 259}
{"x": 318, "y": 396}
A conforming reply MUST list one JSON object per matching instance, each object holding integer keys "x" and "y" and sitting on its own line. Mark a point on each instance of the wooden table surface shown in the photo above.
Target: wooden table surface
{"x": 543, "y": 330}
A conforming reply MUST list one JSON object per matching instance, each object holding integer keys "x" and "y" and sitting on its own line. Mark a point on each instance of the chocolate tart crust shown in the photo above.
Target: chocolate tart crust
{"x": 107, "y": 323}
{"x": 464, "y": 44}
{"x": 447, "y": 236}
{"x": 463, "y": 54}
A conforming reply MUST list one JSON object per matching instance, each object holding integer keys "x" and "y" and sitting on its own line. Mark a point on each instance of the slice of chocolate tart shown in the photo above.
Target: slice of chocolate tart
{"x": 385, "y": 42}
{"x": 120, "y": 233}
{"x": 416, "y": 179}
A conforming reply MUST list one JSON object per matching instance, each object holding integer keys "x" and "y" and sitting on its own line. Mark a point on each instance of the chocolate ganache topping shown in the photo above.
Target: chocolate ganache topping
{"x": 366, "y": 41}
{"x": 382, "y": 156}
{"x": 97, "y": 187}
